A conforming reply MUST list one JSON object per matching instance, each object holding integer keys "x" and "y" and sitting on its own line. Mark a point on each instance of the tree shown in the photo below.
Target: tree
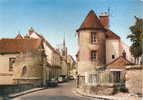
{"x": 136, "y": 38}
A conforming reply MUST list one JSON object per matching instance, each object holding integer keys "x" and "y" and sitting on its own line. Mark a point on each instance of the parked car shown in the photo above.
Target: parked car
{"x": 71, "y": 78}
{"x": 52, "y": 83}
{"x": 62, "y": 78}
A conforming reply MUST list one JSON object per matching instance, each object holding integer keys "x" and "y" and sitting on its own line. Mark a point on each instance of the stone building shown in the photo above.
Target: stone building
{"x": 57, "y": 59}
{"x": 10, "y": 48}
{"x": 30, "y": 60}
{"x": 11, "y": 79}
{"x": 28, "y": 68}
{"x": 134, "y": 79}
{"x": 53, "y": 66}
{"x": 98, "y": 47}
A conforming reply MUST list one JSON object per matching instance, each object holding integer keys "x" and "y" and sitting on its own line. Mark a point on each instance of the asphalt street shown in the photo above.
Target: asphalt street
{"x": 64, "y": 91}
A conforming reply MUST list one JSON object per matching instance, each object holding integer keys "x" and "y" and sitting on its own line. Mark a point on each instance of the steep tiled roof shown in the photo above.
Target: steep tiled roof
{"x": 91, "y": 22}
{"x": 111, "y": 35}
{"x": 18, "y": 45}
{"x": 118, "y": 63}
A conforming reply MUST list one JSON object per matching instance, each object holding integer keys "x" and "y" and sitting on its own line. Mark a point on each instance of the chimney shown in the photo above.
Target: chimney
{"x": 104, "y": 19}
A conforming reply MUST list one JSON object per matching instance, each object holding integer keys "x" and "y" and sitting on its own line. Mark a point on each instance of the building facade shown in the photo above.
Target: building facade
{"x": 28, "y": 68}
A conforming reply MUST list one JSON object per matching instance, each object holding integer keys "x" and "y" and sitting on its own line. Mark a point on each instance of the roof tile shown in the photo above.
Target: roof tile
{"x": 18, "y": 45}
{"x": 91, "y": 21}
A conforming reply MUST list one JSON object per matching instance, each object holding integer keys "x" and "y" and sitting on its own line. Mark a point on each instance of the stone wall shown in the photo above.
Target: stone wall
{"x": 33, "y": 72}
{"x": 6, "y": 76}
{"x": 134, "y": 79}
{"x": 8, "y": 89}
{"x": 99, "y": 89}
{"x": 101, "y": 83}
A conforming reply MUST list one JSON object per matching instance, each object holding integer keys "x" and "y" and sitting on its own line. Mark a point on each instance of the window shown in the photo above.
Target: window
{"x": 24, "y": 71}
{"x": 11, "y": 62}
{"x": 113, "y": 56}
{"x": 93, "y": 37}
{"x": 117, "y": 76}
{"x": 93, "y": 55}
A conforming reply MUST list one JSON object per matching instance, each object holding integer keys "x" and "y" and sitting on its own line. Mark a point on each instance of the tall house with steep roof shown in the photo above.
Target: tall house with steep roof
{"x": 98, "y": 45}
{"x": 91, "y": 41}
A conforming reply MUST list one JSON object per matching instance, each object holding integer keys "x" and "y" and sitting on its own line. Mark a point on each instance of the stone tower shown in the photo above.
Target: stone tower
{"x": 91, "y": 42}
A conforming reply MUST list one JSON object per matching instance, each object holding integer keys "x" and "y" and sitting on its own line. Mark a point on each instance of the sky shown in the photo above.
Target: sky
{"x": 56, "y": 19}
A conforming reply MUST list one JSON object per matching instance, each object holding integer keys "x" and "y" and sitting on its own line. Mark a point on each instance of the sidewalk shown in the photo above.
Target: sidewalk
{"x": 114, "y": 97}
{"x": 24, "y": 92}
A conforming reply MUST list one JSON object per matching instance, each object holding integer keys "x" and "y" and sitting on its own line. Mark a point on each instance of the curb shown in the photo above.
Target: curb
{"x": 87, "y": 95}
{"x": 24, "y": 92}
{"x": 99, "y": 96}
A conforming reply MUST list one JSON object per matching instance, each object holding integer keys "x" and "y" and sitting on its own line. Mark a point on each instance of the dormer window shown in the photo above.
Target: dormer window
{"x": 93, "y": 37}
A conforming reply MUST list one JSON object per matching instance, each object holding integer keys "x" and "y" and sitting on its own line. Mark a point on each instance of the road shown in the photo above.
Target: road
{"x": 63, "y": 92}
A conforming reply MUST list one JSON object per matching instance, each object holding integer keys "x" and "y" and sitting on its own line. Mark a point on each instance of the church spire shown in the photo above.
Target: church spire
{"x": 64, "y": 49}
{"x": 64, "y": 44}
